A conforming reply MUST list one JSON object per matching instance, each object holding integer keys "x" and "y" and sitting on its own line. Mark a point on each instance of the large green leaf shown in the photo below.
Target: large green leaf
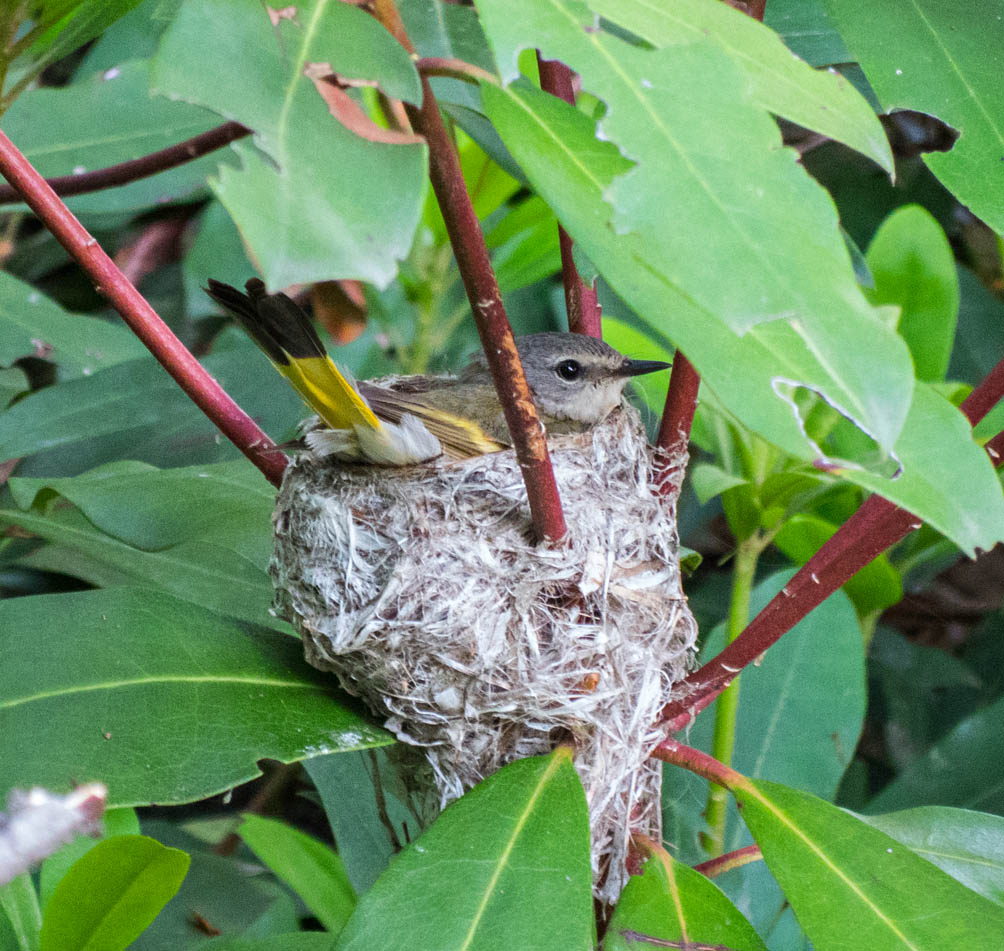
{"x": 33, "y": 325}
{"x": 967, "y": 845}
{"x": 963, "y": 768}
{"x": 152, "y": 509}
{"x": 942, "y": 59}
{"x": 688, "y": 202}
{"x": 913, "y": 267}
{"x": 777, "y": 81}
{"x": 310, "y": 868}
{"x": 670, "y": 901}
{"x": 161, "y": 700}
{"x": 56, "y": 131}
{"x": 505, "y": 866}
{"x": 313, "y": 199}
{"x": 111, "y": 894}
{"x": 854, "y": 887}
{"x": 807, "y": 31}
{"x": 570, "y": 168}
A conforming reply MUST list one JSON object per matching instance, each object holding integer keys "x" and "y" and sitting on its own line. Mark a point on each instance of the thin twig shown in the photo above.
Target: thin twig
{"x": 581, "y": 302}
{"x": 454, "y": 69}
{"x": 712, "y": 868}
{"x": 875, "y": 526}
{"x": 142, "y": 167}
{"x": 476, "y": 271}
{"x": 207, "y": 394}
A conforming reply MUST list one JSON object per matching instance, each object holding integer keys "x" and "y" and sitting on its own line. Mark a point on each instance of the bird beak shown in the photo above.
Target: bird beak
{"x": 638, "y": 367}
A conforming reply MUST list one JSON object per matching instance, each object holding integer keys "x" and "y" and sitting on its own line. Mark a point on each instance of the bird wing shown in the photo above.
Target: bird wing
{"x": 460, "y": 438}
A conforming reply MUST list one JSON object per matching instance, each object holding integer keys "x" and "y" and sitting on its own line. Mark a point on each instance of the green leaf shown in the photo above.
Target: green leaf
{"x": 672, "y": 902}
{"x": 313, "y": 200}
{"x": 875, "y": 587}
{"x": 962, "y": 769}
{"x": 33, "y": 325}
{"x": 113, "y": 822}
{"x": 807, "y": 31}
{"x": 307, "y": 866}
{"x": 54, "y": 127}
{"x": 296, "y": 941}
{"x": 111, "y": 894}
{"x": 349, "y": 784}
{"x": 162, "y": 701}
{"x": 777, "y": 81}
{"x": 942, "y": 59}
{"x": 969, "y": 846}
{"x": 854, "y": 887}
{"x": 19, "y": 903}
{"x": 914, "y": 267}
{"x": 153, "y": 509}
{"x": 708, "y": 480}
{"x": 201, "y": 573}
{"x": 571, "y": 169}
{"x": 505, "y": 866}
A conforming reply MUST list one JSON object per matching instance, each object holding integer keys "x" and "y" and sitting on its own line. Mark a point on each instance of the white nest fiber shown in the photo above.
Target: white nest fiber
{"x": 421, "y": 588}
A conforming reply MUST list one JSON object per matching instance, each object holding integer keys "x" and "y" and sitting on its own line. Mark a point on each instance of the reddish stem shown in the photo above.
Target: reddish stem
{"x": 143, "y": 167}
{"x": 712, "y": 868}
{"x": 453, "y": 69}
{"x": 670, "y": 751}
{"x": 874, "y": 527}
{"x": 677, "y": 420}
{"x": 207, "y": 394}
{"x": 581, "y": 302}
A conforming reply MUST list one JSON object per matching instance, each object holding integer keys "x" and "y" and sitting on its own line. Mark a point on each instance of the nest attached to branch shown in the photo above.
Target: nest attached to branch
{"x": 422, "y": 590}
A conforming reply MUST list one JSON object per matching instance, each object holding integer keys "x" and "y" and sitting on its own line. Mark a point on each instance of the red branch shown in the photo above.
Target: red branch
{"x": 207, "y": 394}
{"x": 476, "y": 271}
{"x": 581, "y": 303}
{"x": 712, "y": 868}
{"x": 874, "y": 527}
{"x": 142, "y": 167}
{"x": 677, "y": 419}
{"x": 670, "y": 751}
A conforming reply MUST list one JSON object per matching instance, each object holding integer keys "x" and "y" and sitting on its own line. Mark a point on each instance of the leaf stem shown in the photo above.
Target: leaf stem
{"x": 142, "y": 167}
{"x": 724, "y": 739}
{"x": 207, "y": 394}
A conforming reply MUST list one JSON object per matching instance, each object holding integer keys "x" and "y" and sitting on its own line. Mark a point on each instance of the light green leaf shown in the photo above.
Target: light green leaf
{"x": 33, "y": 325}
{"x": 777, "y": 81}
{"x": 313, "y": 200}
{"x": 571, "y": 169}
{"x": 854, "y": 887}
{"x": 914, "y": 268}
{"x": 942, "y": 59}
{"x": 309, "y": 867}
{"x": 708, "y": 480}
{"x": 671, "y": 902}
{"x": 162, "y": 701}
{"x": 969, "y": 846}
{"x": 111, "y": 894}
{"x": 505, "y": 866}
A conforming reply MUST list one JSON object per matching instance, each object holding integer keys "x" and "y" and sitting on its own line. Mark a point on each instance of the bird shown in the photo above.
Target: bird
{"x": 575, "y": 381}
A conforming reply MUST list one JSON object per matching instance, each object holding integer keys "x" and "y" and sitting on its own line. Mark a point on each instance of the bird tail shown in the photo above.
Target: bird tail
{"x": 280, "y": 327}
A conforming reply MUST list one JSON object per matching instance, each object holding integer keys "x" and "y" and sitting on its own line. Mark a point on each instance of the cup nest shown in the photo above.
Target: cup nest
{"x": 422, "y": 589}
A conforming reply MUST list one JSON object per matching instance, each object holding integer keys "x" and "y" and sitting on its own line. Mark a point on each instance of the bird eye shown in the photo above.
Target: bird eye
{"x": 569, "y": 370}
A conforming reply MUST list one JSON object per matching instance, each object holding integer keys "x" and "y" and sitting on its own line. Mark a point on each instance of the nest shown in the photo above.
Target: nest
{"x": 422, "y": 590}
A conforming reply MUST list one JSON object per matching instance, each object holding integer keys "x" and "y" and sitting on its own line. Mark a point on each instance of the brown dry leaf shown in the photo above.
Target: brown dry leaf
{"x": 347, "y": 111}
{"x": 340, "y": 307}
{"x": 282, "y": 13}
